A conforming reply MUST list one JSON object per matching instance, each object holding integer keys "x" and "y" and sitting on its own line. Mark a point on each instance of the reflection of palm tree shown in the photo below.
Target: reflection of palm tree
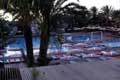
{"x": 61, "y": 41}
{"x": 58, "y": 41}
{"x": 55, "y": 41}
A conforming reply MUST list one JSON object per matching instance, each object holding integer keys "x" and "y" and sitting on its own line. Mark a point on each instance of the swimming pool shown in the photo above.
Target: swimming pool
{"x": 20, "y": 42}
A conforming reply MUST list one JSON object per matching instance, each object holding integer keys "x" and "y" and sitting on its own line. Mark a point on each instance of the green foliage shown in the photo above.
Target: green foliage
{"x": 35, "y": 73}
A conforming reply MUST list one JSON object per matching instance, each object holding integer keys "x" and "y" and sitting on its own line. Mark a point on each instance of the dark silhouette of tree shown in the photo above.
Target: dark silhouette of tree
{"x": 107, "y": 12}
{"x": 4, "y": 31}
{"x": 116, "y": 18}
{"x": 94, "y": 16}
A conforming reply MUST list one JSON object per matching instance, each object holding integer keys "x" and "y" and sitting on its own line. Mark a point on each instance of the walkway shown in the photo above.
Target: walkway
{"x": 99, "y": 70}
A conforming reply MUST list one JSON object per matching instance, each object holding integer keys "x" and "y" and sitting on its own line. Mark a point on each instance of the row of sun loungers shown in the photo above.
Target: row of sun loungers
{"x": 82, "y": 57}
{"x": 84, "y": 52}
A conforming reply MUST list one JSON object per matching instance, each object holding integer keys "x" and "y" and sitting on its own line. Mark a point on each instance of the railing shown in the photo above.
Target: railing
{"x": 13, "y": 59}
{"x": 10, "y": 74}
{"x": 10, "y": 59}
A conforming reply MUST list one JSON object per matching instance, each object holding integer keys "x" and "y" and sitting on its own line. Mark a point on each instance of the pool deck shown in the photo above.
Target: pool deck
{"x": 98, "y": 70}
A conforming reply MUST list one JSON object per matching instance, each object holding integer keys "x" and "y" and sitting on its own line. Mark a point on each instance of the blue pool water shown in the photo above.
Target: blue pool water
{"x": 20, "y": 42}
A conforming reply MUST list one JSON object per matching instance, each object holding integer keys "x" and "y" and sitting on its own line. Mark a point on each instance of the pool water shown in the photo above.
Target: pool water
{"x": 54, "y": 47}
{"x": 20, "y": 42}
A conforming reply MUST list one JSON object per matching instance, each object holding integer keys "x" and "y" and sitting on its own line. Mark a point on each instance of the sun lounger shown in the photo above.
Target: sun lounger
{"x": 73, "y": 62}
{"x": 54, "y": 57}
{"x": 87, "y": 60}
{"x": 110, "y": 53}
{"x": 102, "y": 58}
{"x": 54, "y": 62}
{"x": 91, "y": 55}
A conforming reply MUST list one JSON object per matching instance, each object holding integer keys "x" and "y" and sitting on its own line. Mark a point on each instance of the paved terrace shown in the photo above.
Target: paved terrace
{"x": 99, "y": 70}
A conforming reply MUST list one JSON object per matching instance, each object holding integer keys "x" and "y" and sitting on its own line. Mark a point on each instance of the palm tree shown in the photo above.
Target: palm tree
{"x": 101, "y": 19}
{"x": 83, "y": 17}
{"x": 20, "y": 9}
{"x": 94, "y": 16}
{"x": 44, "y": 11}
{"x": 49, "y": 10}
{"x": 76, "y": 16}
{"x": 107, "y": 11}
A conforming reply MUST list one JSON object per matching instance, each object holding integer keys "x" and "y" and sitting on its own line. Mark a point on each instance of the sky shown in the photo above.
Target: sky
{"x": 88, "y": 3}
{"x": 99, "y": 3}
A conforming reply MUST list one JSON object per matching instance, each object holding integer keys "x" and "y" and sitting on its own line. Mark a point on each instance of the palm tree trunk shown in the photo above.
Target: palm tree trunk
{"x": 44, "y": 38}
{"x": 29, "y": 46}
{"x": 43, "y": 60}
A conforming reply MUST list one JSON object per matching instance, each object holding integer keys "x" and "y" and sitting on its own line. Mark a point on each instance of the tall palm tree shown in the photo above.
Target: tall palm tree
{"x": 49, "y": 10}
